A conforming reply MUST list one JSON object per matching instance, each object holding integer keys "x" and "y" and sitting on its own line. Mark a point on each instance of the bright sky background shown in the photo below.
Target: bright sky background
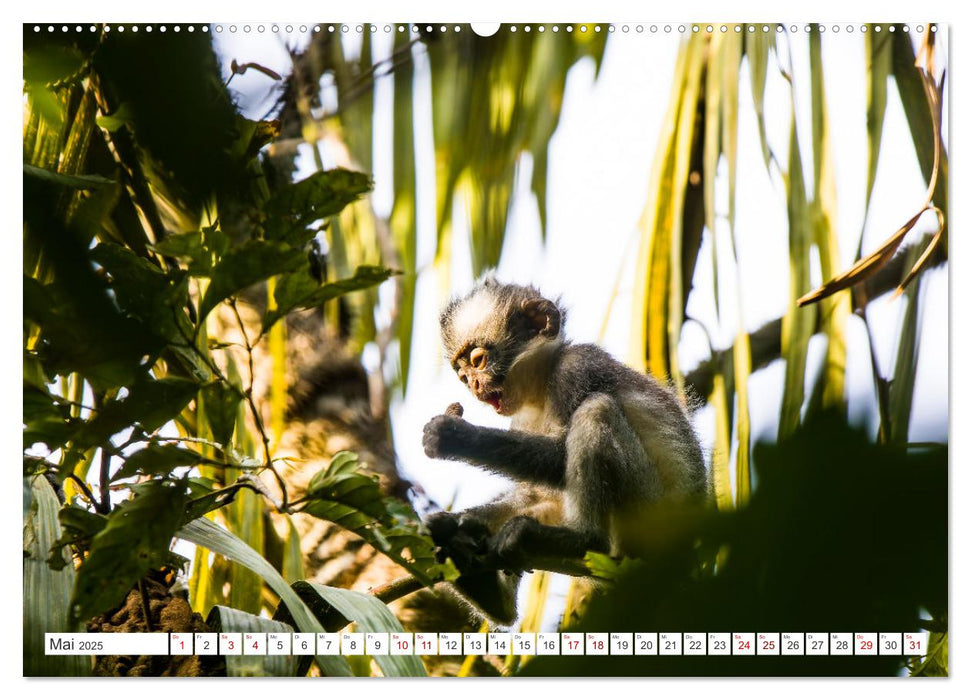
{"x": 600, "y": 158}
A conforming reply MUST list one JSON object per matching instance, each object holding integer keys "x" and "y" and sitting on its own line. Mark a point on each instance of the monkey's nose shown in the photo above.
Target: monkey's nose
{"x": 474, "y": 385}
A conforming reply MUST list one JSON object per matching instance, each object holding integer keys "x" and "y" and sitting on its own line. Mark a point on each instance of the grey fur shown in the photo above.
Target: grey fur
{"x": 590, "y": 438}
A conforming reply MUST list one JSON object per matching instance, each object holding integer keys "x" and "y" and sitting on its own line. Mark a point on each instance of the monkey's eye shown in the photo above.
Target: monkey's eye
{"x": 478, "y": 358}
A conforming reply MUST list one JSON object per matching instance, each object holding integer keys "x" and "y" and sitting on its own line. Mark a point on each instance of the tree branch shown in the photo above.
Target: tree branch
{"x": 766, "y": 342}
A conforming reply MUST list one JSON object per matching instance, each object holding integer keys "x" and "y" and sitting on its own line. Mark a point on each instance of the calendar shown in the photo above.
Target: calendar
{"x": 610, "y": 346}
{"x": 492, "y": 644}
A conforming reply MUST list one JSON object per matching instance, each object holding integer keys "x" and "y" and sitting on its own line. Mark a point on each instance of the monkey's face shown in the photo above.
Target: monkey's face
{"x": 489, "y": 334}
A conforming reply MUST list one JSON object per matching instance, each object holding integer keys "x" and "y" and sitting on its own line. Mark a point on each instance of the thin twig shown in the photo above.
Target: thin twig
{"x": 146, "y": 610}
{"x": 257, "y": 419}
{"x": 247, "y": 396}
{"x": 105, "y": 505}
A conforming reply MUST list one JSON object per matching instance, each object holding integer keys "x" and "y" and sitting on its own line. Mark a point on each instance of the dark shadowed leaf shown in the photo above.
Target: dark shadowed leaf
{"x": 150, "y": 404}
{"x": 198, "y": 507}
{"x": 323, "y": 194}
{"x": 146, "y": 293}
{"x": 220, "y": 403}
{"x": 157, "y": 459}
{"x": 77, "y": 182}
{"x": 300, "y": 290}
{"x": 252, "y": 262}
{"x": 136, "y": 539}
{"x": 51, "y": 63}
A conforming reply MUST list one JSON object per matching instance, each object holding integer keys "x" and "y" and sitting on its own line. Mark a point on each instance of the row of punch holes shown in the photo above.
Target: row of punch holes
{"x": 428, "y": 28}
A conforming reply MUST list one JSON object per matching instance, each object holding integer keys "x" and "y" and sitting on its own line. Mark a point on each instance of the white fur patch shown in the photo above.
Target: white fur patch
{"x": 472, "y": 314}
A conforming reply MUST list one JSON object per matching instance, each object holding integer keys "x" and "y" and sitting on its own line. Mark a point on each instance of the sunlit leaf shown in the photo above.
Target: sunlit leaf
{"x": 207, "y": 534}
{"x": 341, "y": 494}
{"x": 369, "y": 615}
{"x": 798, "y": 323}
{"x": 721, "y": 452}
{"x": 47, "y": 592}
{"x": 262, "y": 663}
{"x": 742, "y": 366}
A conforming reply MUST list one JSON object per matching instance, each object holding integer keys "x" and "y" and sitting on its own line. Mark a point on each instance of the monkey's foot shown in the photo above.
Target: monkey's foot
{"x": 463, "y": 538}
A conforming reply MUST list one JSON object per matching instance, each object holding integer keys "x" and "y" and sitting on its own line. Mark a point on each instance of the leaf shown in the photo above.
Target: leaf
{"x": 823, "y": 212}
{"x": 798, "y": 323}
{"x": 342, "y": 495}
{"x": 403, "y": 222}
{"x": 322, "y": 194}
{"x": 209, "y": 502}
{"x": 135, "y": 540}
{"x": 82, "y": 331}
{"x": 47, "y": 592}
{"x": 879, "y": 53}
{"x": 157, "y": 459}
{"x": 252, "y": 262}
{"x": 757, "y": 46}
{"x": 913, "y": 98}
{"x": 607, "y": 567}
{"x": 721, "y": 452}
{"x": 77, "y": 182}
{"x": 150, "y": 404}
{"x": 209, "y": 535}
{"x": 246, "y": 518}
{"x": 369, "y": 615}
{"x": 292, "y": 554}
{"x": 146, "y": 293}
{"x": 659, "y": 295}
{"x": 300, "y": 290}
{"x": 220, "y": 405}
{"x": 44, "y": 420}
{"x": 120, "y": 117}
{"x": 905, "y": 368}
{"x": 742, "y": 366}
{"x": 78, "y": 526}
{"x": 51, "y": 63}
{"x": 259, "y": 665}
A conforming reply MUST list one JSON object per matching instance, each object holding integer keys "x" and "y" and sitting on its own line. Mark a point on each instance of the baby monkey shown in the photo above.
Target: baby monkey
{"x": 591, "y": 439}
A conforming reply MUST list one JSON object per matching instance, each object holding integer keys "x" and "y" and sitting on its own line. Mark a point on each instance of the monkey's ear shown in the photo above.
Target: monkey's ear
{"x": 543, "y": 316}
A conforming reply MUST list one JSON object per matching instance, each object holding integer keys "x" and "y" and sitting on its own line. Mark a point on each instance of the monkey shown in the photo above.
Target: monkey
{"x": 590, "y": 439}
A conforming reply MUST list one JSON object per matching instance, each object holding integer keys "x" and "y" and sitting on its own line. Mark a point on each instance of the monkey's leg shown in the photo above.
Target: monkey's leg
{"x": 606, "y": 468}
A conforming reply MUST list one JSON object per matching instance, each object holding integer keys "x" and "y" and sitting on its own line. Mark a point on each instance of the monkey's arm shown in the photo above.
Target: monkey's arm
{"x": 513, "y": 453}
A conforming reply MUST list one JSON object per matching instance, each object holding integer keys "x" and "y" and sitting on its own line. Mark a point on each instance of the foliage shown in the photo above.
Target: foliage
{"x": 842, "y": 534}
{"x": 147, "y": 214}
{"x": 341, "y": 494}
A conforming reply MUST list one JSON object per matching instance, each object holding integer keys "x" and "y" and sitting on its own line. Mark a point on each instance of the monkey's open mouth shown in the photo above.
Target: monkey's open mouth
{"x": 494, "y": 399}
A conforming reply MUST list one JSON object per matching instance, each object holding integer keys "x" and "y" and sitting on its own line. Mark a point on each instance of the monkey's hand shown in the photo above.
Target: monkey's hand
{"x": 445, "y": 434}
